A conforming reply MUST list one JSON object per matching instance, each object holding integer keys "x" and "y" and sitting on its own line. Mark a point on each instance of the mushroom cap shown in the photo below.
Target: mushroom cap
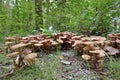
{"x": 17, "y": 37}
{"x": 86, "y": 57}
{"x": 108, "y": 42}
{"x": 54, "y": 43}
{"x": 30, "y": 56}
{"x": 87, "y": 48}
{"x": 60, "y": 41}
{"x": 11, "y": 55}
{"x": 100, "y": 61}
{"x": 8, "y": 43}
{"x": 96, "y": 48}
{"x": 10, "y": 39}
{"x": 111, "y": 53}
{"x": 27, "y": 51}
{"x": 43, "y": 35}
{"x": 34, "y": 41}
{"x": 111, "y": 50}
{"x": 101, "y": 54}
{"x": 63, "y": 37}
{"x": 24, "y": 38}
{"x": 76, "y": 37}
{"x": 111, "y": 35}
{"x": 24, "y": 41}
{"x": 97, "y": 38}
{"x": 118, "y": 41}
{"x": 94, "y": 52}
{"x": 20, "y": 45}
{"x": 31, "y": 37}
{"x": 88, "y": 43}
{"x": 99, "y": 42}
{"x": 38, "y": 45}
{"x": 85, "y": 39}
{"x": 77, "y": 42}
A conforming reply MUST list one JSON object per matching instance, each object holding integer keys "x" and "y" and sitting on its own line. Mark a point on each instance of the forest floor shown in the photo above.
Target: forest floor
{"x": 60, "y": 65}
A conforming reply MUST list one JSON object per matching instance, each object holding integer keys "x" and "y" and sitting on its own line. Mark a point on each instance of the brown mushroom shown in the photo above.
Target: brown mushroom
{"x": 111, "y": 50}
{"x": 11, "y": 55}
{"x": 84, "y": 39}
{"x": 118, "y": 41}
{"x": 10, "y": 39}
{"x": 17, "y": 46}
{"x": 27, "y": 51}
{"x": 30, "y": 59}
{"x": 19, "y": 59}
{"x": 8, "y": 45}
{"x": 60, "y": 41}
{"x": 86, "y": 57}
{"x": 97, "y": 38}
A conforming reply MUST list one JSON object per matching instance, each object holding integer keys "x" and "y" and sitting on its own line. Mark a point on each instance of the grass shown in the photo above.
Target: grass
{"x": 2, "y": 56}
{"x": 114, "y": 67}
{"x": 111, "y": 68}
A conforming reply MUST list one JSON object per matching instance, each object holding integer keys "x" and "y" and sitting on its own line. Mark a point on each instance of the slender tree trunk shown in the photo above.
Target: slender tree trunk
{"x": 39, "y": 17}
{"x": 17, "y": 13}
{"x": 48, "y": 6}
{"x": 1, "y": 2}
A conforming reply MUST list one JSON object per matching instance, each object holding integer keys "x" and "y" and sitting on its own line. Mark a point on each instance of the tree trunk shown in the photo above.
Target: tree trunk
{"x": 48, "y": 5}
{"x": 17, "y": 13}
{"x": 38, "y": 17}
{"x": 1, "y": 5}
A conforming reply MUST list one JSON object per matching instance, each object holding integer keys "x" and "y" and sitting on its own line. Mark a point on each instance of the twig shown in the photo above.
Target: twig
{"x": 7, "y": 74}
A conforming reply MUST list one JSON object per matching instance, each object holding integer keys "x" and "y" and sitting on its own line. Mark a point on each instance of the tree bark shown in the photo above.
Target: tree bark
{"x": 38, "y": 11}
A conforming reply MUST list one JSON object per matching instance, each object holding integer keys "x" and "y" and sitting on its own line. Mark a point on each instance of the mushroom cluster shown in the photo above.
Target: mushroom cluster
{"x": 64, "y": 39}
{"x": 19, "y": 53}
{"x": 90, "y": 49}
{"x": 23, "y": 50}
{"x": 112, "y": 46}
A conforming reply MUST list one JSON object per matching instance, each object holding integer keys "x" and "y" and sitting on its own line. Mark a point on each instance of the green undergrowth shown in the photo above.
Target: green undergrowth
{"x": 114, "y": 67}
{"x": 2, "y": 56}
{"x": 111, "y": 68}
